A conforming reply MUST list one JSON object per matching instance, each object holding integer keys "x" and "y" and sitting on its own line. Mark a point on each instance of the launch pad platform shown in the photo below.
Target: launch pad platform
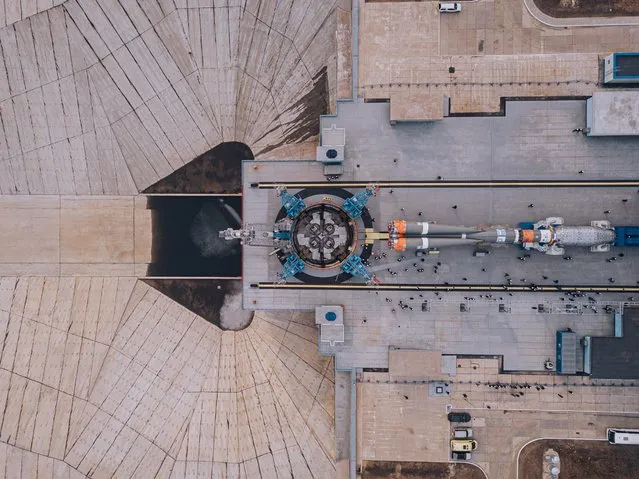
{"x": 534, "y": 141}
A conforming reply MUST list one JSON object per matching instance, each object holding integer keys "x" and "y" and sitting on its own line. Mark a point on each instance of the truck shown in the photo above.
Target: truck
{"x": 623, "y": 436}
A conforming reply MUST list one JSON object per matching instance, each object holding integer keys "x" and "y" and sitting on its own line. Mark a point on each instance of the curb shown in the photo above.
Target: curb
{"x": 553, "y": 22}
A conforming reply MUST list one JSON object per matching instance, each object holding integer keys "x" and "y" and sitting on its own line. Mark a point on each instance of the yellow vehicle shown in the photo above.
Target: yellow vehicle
{"x": 463, "y": 445}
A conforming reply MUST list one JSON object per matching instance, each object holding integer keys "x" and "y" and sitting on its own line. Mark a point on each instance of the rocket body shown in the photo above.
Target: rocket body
{"x": 419, "y": 228}
{"x": 546, "y": 235}
{"x": 423, "y": 243}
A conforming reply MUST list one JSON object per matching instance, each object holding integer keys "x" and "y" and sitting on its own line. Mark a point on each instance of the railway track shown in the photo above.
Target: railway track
{"x": 454, "y": 287}
{"x": 632, "y": 183}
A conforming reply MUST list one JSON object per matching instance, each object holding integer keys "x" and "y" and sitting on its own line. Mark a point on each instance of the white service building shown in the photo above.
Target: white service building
{"x": 613, "y": 113}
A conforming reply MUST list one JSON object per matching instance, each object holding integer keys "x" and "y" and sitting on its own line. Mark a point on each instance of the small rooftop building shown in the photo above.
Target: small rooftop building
{"x": 617, "y": 357}
{"x": 613, "y": 113}
{"x": 621, "y": 68}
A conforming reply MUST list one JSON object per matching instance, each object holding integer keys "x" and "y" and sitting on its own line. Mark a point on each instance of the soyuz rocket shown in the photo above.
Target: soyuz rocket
{"x": 549, "y": 236}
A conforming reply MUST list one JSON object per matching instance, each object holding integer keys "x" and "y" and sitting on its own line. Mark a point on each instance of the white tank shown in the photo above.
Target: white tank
{"x": 583, "y": 235}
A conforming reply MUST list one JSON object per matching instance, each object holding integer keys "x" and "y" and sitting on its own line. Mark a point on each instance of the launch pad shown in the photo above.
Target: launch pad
{"x": 452, "y": 301}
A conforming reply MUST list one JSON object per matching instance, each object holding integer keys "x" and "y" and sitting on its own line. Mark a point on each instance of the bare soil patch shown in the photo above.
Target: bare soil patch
{"x": 581, "y": 460}
{"x": 217, "y": 171}
{"x": 588, "y": 8}
{"x": 419, "y": 470}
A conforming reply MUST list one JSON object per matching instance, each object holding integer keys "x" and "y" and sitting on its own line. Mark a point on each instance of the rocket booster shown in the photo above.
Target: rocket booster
{"x": 418, "y": 228}
{"x": 423, "y": 243}
{"x": 549, "y": 236}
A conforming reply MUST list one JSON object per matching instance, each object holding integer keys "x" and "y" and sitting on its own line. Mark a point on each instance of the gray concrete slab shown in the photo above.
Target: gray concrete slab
{"x": 534, "y": 140}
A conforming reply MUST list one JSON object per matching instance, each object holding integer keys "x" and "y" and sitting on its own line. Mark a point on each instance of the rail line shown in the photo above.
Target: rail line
{"x": 529, "y": 288}
{"x": 453, "y": 184}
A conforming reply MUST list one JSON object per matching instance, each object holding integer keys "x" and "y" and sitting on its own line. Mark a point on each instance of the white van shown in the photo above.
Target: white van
{"x": 449, "y": 7}
{"x": 623, "y": 436}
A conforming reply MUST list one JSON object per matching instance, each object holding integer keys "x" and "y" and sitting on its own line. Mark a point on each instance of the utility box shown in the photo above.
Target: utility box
{"x": 329, "y": 154}
{"x": 621, "y": 68}
{"x": 331, "y": 150}
{"x": 566, "y": 352}
{"x": 330, "y": 321}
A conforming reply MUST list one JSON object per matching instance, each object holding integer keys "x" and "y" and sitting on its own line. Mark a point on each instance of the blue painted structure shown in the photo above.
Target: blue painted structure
{"x": 586, "y": 343}
{"x": 292, "y": 266}
{"x": 291, "y": 203}
{"x": 282, "y": 235}
{"x": 354, "y": 265}
{"x": 626, "y": 235}
{"x": 621, "y": 67}
{"x": 356, "y": 203}
{"x": 566, "y": 352}
{"x": 618, "y": 324}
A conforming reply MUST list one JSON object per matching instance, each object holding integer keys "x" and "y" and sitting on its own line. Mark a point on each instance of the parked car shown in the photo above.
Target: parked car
{"x": 458, "y": 417}
{"x": 463, "y": 445}
{"x": 449, "y": 7}
{"x": 463, "y": 433}
{"x": 461, "y": 456}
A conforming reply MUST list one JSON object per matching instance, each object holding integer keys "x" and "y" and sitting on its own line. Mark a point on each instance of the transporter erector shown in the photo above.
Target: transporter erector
{"x": 327, "y": 236}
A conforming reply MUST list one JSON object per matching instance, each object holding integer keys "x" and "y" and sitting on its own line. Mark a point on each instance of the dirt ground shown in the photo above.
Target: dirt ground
{"x": 420, "y": 470}
{"x": 588, "y": 8}
{"x": 571, "y": 8}
{"x": 218, "y": 171}
{"x": 582, "y": 460}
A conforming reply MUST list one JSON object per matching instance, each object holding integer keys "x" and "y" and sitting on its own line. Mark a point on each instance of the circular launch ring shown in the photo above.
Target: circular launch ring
{"x": 323, "y": 235}
{"x": 323, "y": 199}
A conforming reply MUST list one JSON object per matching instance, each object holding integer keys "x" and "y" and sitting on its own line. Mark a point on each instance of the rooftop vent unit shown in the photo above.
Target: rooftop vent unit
{"x": 330, "y": 320}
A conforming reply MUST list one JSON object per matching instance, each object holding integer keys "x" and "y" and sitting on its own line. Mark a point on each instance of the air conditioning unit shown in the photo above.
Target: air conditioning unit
{"x": 330, "y": 320}
{"x": 329, "y": 154}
